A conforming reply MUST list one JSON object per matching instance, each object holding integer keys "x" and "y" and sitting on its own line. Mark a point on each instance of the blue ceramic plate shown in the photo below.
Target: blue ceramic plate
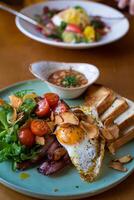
{"x": 66, "y": 184}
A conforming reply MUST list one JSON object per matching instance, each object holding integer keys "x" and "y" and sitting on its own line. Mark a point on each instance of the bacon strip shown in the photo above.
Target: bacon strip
{"x": 51, "y": 167}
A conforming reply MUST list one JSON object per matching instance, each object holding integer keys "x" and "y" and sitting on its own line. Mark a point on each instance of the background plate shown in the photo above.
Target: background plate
{"x": 67, "y": 182}
{"x": 118, "y": 27}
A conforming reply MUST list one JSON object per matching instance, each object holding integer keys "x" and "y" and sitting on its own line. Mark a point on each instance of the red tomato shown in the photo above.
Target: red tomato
{"x": 61, "y": 107}
{"x": 73, "y": 28}
{"x": 39, "y": 127}
{"x": 52, "y": 99}
{"x": 43, "y": 108}
{"x": 26, "y": 137}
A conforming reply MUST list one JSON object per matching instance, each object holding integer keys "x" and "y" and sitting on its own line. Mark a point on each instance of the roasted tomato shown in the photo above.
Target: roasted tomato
{"x": 52, "y": 99}
{"x": 43, "y": 108}
{"x": 26, "y": 137}
{"x": 61, "y": 107}
{"x": 39, "y": 127}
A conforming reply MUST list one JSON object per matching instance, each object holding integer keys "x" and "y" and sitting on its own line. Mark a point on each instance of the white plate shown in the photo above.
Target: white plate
{"x": 118, "y": 27}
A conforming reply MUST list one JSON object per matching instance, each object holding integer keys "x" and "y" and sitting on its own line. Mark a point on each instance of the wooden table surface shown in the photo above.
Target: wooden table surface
{"x": 115, "y": 61}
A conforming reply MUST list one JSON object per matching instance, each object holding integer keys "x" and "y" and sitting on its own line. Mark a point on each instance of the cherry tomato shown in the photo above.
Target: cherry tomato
{"x": 39, "y": 127}
{"x": 27, "y": 124}
{"x": 73, "y": 28}
{"x": 52, "y": 99}
{"x": 61, "y": 107}
{"x": 43, "y": 108}
{"x": 26, "y": 137}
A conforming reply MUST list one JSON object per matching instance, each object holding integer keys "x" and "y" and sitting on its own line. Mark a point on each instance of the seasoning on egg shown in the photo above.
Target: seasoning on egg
{"x": 68, "y": 78}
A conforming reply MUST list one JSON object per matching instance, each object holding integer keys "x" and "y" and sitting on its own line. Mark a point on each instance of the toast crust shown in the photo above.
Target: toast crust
{"x": 100, "y": 97}
{"x": 107, "y": 103}
{"x": 116, "y": 112}
{"x": 127, "y": 122}
{"x": 125, "y": 138}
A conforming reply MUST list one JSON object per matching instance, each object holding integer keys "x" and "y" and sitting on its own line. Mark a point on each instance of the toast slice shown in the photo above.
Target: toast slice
{"x": 126, "y": 137}
{"x": 100, "y": 97}
{"x": 119, "y": 106}
{"x": 127, "y": 118}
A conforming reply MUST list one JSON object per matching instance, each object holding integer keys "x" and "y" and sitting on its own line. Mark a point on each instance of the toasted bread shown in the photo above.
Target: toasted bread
{"x": 113, "y": 109}
{"x": 127, "y": 136}
{"x": 127, "y": 118}
{"x": 100, "y": 97}
{"x": 119, "y": 106}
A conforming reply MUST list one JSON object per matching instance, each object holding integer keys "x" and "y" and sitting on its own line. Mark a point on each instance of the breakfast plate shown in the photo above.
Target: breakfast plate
{"x": 61, "y": 185}
{"x": 118, "y": 27}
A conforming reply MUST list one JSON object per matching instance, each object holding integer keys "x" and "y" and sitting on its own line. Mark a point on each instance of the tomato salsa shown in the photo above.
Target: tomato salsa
{"x": 68, "y": 78}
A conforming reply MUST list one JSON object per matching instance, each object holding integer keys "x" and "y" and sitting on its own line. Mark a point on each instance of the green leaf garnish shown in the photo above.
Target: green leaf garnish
{"x": 63, "y": 26}
{"x": 28, "y": 106}
{"x": 97, "y": 24}
{"x": 69, "y": 81}
{"x": 22, "y": 93}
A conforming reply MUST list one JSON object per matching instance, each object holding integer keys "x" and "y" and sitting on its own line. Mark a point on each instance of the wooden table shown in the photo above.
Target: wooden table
{"x": 115, "y": 61}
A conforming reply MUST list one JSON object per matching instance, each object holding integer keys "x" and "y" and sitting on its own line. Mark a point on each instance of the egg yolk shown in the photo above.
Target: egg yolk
{"x": 70, "y": 134}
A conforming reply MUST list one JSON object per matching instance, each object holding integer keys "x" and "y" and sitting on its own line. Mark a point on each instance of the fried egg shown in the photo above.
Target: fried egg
{"x": 72, "y": 16}
{"x": 86, "y": 153}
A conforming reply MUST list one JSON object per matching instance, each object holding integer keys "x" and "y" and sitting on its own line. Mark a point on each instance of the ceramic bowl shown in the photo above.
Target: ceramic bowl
{"x": 43, "y": 69}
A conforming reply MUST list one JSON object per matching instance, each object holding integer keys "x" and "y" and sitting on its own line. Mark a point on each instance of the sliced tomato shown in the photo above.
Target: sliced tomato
{"x": 73, "y": 28}
{"x": 26, "y": 137}
{"x": 52, "y": 99}
{"x": 39, "y": 127}
{"x": 43, "y": 108}
{"x": 61, "y": 107}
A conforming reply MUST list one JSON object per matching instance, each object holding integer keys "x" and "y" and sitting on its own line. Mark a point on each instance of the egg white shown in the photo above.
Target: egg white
{"x": 57, "y": 20}
{"x": 87, "y": 154}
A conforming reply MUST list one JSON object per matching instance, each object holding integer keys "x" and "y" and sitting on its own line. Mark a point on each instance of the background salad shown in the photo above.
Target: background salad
{"x": 71, "y": 25}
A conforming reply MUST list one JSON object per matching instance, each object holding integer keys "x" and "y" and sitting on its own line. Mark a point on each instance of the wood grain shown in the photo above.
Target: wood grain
{"x": 115, "y": 61}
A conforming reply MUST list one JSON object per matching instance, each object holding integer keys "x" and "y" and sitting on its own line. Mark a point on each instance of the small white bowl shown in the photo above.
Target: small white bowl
{"x": 43, "y": 69}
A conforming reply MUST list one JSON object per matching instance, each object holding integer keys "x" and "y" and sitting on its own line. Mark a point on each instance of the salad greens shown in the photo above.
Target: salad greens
{"x": 10, "y": 147}
{"x": 97, "y": 24}
{"x": 22, "y": 93}
{"x": 71, "y": 25}
{"x": 27, "y": 106}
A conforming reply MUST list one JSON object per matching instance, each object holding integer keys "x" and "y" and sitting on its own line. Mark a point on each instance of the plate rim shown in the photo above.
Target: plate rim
{"x": 79, "y": 195}
{"x": 66, "y": 197}
{"x": 68, "y": 45}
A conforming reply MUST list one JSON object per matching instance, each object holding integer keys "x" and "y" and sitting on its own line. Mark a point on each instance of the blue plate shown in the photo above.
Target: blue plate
{"x": 66, "y": 184}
